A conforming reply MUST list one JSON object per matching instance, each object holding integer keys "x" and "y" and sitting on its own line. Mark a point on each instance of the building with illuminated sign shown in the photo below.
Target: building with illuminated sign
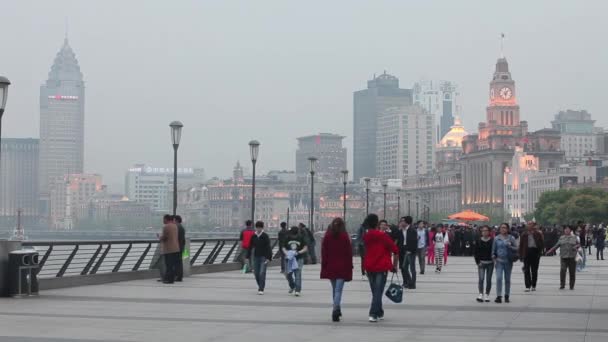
{"x": 61, "y": 122}
{"x": 488, "y": 153}
{"x": 19, "y": 181}
{"x": 331, "y": 156}
{"x": 382, "y": 92}
{"x": 154, "y": 185}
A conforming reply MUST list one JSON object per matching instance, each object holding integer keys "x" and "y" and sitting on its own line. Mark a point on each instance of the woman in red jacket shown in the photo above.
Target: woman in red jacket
{"x": 337, "y": 262}
{"x": 377, "y": 263}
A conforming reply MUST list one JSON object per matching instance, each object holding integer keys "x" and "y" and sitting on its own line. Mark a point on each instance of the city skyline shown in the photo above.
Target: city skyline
{"x": 123, "y": 82}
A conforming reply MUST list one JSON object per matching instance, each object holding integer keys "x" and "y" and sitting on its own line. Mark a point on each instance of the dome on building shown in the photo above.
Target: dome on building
{"x": 454, "y": 137}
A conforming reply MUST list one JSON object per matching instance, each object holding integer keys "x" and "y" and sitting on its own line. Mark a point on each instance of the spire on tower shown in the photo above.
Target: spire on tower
{"x": 502, "y": 41}
{"x": 66, "y": 28}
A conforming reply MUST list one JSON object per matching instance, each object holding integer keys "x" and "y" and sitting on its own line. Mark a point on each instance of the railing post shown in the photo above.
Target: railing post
{"x": 91, "y": 261}
{"x": 67, "y": 262}
{"x": 211, "y": 255}
{"x": 198, "y": 252}
{"x": 219, "y": 250}
{"x": 122, "y": 259}
{"x": 100, "y": 261}
{"x": 227, "y": 257}
{"x": 142, "y": 257}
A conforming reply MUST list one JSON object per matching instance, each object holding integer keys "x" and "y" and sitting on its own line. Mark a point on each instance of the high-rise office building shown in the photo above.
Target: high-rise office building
{"x": 61, "y": 121}
{"x": 440, "y": 98}
{"x": 578, "y": 134}
{"x": 382, "y": 92}
{"x": 19, "y": 180}
{"x": 405, "y": 144}
{"x": 327, "y": 148}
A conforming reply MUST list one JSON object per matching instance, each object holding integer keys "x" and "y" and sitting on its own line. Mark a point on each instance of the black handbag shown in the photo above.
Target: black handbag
{"x": 395, "y": 290}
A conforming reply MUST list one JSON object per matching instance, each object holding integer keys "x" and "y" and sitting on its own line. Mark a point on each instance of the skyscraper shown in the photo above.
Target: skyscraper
{"x": 382, "y": 92}
{"x": 405, "y": 143}
{"x": 577, "y": 130}
{"x": 327, "y": 148}
{"x": 440, "y": 98}
{"x": 61, "y": 121}
{"x": 19, "y": 181}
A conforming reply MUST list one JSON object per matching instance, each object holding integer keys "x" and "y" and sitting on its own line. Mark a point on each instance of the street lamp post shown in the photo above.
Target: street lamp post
{"x": 254, "y": 149}
{"x": 367, "y": 180}
{"x": 409, "y": 205}
{"x": 176, "y": 136}
{"x": 344, "y": 181}
{"x": 4, "y": 83}
{"x": 313, "y": 164}
{"x": 417, "y": 207}
{"x": 384, "y": 187}
{"x": 398, "y": 204}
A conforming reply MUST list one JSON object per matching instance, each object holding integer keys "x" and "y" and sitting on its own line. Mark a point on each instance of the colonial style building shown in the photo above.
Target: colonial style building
{"x": 489, "y": 152}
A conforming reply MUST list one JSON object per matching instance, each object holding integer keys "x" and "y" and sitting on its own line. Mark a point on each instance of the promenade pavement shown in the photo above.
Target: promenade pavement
{"x": 226, "y": 307}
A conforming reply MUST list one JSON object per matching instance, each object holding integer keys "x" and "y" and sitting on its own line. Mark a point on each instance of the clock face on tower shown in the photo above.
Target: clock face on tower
{"x": 506, "y": 93}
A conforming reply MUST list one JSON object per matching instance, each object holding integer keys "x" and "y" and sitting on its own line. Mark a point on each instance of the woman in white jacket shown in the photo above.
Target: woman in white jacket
{"x": 441, "y": 240}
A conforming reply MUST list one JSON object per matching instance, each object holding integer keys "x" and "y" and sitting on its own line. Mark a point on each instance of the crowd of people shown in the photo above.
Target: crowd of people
{"x": 385, "y": 248}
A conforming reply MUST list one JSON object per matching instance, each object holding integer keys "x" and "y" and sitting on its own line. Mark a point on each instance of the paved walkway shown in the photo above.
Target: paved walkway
{"x": 226, "y": 307}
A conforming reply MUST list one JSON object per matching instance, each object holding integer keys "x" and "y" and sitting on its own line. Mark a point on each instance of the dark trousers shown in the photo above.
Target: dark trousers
{"x": 531, "y": 262}
{"x": 408, "y": 269}
{"x": 171, "y": 260}
{"x": 361, "y": 256}
{"x": 570, "y": 265}
{"x": 377, "y": 282}
{"x": 484, "y": 272}
{"x": 259, "y": 271}
{"x": 600, "y": 253}
{"x": 179, "y": 270}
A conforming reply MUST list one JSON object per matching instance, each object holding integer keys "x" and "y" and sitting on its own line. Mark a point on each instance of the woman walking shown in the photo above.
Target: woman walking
{"x": 440, "y": 241}
{"x": 568, "y": 246}
{"x": 503, "y": 253}
{"x": 337, "y": 262}
{"x": 379, "y": 248}
{"x": 431, "y": 250}
{"x": 482, "y": 252}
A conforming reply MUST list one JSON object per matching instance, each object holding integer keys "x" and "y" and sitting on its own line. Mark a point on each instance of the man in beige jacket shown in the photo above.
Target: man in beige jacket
{"x": 169, "y": 248}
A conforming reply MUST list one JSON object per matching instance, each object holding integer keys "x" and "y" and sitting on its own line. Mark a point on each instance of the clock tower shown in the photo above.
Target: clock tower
{"x": 503, "y": 109}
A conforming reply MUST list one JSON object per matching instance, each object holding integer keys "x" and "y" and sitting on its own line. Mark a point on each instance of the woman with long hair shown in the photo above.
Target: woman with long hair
{"x": 379, "y": 248}
{"x": 441, "y": 239}
{"x": 337, "y": 262}
{"x": 482, "y": 252}
{"x": 503, "y": 253}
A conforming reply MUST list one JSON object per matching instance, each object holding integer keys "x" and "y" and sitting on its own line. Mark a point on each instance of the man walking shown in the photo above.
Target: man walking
{"x": 282, "y": 241}
{"x": 261, "y": 251}
{"x": 245, "y": 238}
{"x": 181, "y": 237}
{"x": 423, "y": 243}
{"x": 169, "y": 248}
{"x": 408, "y": 248}
{"x": 531, "y": 245}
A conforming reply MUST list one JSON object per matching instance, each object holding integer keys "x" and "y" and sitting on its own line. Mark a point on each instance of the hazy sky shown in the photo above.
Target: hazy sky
{"x": 233, "y": 71}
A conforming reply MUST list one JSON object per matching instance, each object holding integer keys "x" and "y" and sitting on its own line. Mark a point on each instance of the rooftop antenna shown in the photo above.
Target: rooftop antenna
{"x": 66, "y": 28}
{"x": 502, "y": 45}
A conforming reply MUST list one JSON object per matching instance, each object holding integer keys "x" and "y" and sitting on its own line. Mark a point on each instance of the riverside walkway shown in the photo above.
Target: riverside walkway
{"x": 225, "y": 307}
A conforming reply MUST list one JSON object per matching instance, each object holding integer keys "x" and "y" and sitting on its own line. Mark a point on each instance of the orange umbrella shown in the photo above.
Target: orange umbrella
{"x": 468, "y": 215}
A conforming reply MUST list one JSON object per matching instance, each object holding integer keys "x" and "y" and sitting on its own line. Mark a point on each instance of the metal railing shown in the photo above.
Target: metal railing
{"x": 81, "y": 258}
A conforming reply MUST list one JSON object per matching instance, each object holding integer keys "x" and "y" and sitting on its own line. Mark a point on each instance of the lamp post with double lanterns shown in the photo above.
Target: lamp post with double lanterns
{"x": 384, "y": 187}
{"x": 176, "y": 136}
{"x": 4, "y": 83}
{"x": 254, "y": 150}
{"x": 399, "y": 204}
{"x": 313, "y": 166}
{"x": 344, "y": 182}
{"x": 367, "y": 180}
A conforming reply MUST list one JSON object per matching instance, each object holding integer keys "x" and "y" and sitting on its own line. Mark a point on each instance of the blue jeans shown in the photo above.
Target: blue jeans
{"x": 485, "y": 275}
{"x": 337, "y": 285}
{"x": 377, "y": 282}
{"x": 295, "y": 278}
{"x": 503, "y": 268}
{"x": 259, "y": 271}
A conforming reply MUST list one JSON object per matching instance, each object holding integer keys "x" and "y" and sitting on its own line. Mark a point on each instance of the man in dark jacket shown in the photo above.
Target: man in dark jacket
{"x": 261, "y": 252}
{"x": 531, "y": 246}
{"x": 408, "y": 246}
{"x": 181, "y": 237}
